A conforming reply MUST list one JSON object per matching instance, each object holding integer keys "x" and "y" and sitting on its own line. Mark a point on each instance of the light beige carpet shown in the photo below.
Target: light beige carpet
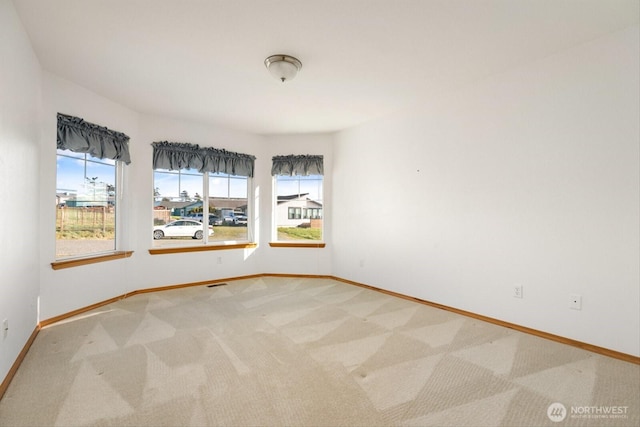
{"x": 294, "y": 352}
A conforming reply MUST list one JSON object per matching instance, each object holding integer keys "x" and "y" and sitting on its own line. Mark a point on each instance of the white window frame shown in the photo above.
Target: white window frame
{"x": 118, "y": 204}
{"x": 205, "y": 222}
{"x": 274, "y": 227}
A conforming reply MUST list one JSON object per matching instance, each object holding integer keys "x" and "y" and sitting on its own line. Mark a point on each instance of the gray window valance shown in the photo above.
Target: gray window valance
{"x": 76, "y": 135}
{"x": 297, "y": 165}
{"x": 177, "y": 155}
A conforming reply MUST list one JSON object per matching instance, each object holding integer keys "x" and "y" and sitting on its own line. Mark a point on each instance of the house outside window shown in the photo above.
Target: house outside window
{"x": 298, "y": 189}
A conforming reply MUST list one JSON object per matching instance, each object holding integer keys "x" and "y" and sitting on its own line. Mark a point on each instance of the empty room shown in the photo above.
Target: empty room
{"x": 320, "y": 213}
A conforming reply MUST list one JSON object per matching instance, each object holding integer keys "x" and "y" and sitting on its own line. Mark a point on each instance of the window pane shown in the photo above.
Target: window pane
{"x": 86, "y": 205}
{"x": 177, "y": 195}
{"x": 299, "y": 207}
{"x": 238, "y": 187}
{"x": 288, "y": 188}
{"x": 180, "y": 195}
{"x": 166, "y": 184}
{"x": 311, "y": 187}
{"x": 190, "y": 187}
{"x": 218, "y": 186}
{"x": 228, "y": 207}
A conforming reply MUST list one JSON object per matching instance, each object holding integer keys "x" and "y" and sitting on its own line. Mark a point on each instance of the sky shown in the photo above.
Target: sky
{"x": 75, "y": 175}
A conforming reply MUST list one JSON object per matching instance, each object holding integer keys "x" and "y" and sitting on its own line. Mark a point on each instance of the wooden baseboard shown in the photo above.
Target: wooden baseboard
{"x": 56, "y": 319}
{"x": 303, "y": 276}
{"x": 188, "y": 285}
{"x": 14, "y": 368}
{"x": 61, "y": 317}
{"x": 568, "y": 341}
{"x": 585, "y": 346}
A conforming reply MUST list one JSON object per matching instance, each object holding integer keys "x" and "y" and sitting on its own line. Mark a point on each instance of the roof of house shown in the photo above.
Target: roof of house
{"x": 175, "y": 205}
{"x": 287, "y": 199}
{"x": 228, "y": 203}
{"x": 292, "y": 197}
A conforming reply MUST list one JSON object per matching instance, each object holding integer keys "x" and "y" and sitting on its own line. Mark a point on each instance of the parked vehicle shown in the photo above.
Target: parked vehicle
{"x": 228, "y": 217}
{"x": 194, "y": 217}
{"x": 180, "y": 228}
{"x": 215, "y": 220}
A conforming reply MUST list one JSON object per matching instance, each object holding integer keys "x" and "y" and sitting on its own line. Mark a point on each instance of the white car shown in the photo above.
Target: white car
{"x": 180, "y": 228}
{"x": 240, "y": 220}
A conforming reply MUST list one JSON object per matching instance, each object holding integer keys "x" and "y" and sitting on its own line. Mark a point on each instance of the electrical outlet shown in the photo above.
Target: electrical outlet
{"x": 517, "y": 291}
{"x": 219, "y": 260}
{"x": 361, "y": 263}
{"x": 575, "y": 302}
{"x": 5, "y": 328}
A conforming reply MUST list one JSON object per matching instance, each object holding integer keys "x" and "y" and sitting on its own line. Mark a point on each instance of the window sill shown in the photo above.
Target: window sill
{"x": 77, "y": 262}
{"x": 161, "y": 251}
{"x": 297, "y": 245}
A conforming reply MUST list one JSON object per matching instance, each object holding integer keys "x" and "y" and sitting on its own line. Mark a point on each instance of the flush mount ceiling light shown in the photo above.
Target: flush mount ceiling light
{"x": 283, "y": 67}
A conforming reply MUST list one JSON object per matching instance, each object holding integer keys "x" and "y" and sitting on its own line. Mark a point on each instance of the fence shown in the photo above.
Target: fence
{"x": 161, "y": 216}
{"x": 85, "y": 219}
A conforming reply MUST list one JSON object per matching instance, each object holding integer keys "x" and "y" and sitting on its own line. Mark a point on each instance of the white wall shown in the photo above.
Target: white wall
{"x": 530, "y": 177}
{"x": 62, "y": 291}
{"x": 171, "y": 269}
{"x": 65, "y": 290}
{"x": 19, "y": 136}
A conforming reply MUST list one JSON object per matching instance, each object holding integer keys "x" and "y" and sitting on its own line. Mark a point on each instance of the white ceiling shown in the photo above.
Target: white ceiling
{"x": 202, "y": 60}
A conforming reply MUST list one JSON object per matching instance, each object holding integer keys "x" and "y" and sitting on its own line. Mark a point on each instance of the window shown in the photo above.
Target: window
{"x": 303, "y": 213}
{"x": 90, "y": 161}
{"x": 216, "y": 199}
{"x": 229, "y": 206}
{"x": 177, "y": 195}
{"x": 298, "y": 204}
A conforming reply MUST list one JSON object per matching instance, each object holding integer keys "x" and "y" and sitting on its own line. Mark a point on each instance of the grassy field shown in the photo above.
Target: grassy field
{"x": 293, "y": 233}
{"x": 224, "y": 232}
{"x": 79, "y": 224}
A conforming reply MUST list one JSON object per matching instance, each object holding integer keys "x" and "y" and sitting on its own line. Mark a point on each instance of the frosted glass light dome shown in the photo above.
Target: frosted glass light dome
{"x": 283, "y": 67}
